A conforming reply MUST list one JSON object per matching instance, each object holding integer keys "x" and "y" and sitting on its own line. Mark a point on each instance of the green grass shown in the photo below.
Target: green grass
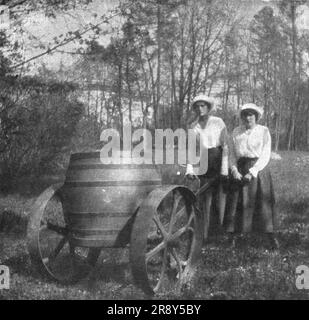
{"x": 248, "y": 272}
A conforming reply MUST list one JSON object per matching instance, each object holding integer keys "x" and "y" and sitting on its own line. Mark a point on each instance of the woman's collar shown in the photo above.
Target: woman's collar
{"x": 244, "y": 128}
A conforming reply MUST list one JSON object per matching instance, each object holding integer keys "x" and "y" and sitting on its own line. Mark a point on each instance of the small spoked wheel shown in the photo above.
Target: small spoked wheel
{"x": 50, "y": 249}
{"x": 166, "y": 240}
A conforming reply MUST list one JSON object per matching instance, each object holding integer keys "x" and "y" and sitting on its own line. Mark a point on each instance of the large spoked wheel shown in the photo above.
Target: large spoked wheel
{"x": 50, "y": 249}
{"x": 166, "y": 240}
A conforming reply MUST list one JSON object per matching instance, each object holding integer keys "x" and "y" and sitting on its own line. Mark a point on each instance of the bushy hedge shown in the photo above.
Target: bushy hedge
{"x": 37, "y": 122}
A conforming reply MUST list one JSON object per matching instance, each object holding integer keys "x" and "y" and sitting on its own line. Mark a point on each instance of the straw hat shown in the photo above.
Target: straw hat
{"x": 253, "y": 107}
{"x": 203, "y": 97}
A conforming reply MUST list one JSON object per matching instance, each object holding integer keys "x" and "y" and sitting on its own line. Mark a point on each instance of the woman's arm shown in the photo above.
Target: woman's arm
{"x": 265, "y": 155}
{"x": 225, "y": 151}
{"x": 232, "y": 154}
{"x": 233, "y": 157}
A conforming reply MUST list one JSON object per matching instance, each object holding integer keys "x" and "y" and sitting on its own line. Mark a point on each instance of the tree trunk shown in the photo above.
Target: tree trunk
{"x": 158, "y": 96}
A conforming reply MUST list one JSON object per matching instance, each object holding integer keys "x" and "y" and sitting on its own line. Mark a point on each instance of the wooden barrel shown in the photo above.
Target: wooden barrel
{"x": 100, "y": 200}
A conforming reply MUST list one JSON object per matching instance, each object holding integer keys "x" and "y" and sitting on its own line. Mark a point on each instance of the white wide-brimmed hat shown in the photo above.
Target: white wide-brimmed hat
{"x": 254, "y": 107}
{"x": 205, "y": 98}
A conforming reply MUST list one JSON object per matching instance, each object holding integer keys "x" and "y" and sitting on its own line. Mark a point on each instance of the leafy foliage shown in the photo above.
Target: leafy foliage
{"x": 38, "y": 120}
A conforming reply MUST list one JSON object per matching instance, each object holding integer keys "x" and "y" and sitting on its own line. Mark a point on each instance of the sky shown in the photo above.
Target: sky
{"x": 40, "y": 30}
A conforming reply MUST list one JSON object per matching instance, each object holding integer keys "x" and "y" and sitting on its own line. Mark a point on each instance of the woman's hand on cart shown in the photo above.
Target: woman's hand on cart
{"x": 191, "y": 177}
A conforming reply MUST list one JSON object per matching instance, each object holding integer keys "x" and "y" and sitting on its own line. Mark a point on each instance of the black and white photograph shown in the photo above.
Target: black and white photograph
{"x": 154, "y": 150}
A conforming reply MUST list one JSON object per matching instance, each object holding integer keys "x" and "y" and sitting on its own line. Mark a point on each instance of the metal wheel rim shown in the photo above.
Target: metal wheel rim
{"x": 138, "y": 253}
{"x": 44, "y": 264}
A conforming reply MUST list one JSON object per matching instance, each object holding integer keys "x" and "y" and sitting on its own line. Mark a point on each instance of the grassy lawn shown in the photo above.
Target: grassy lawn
{"x": 247, "y": 272}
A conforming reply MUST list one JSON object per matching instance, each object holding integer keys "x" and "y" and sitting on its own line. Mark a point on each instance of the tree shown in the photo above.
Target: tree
{"x": 289, "y": 9}
{"x": 269, "y": 57}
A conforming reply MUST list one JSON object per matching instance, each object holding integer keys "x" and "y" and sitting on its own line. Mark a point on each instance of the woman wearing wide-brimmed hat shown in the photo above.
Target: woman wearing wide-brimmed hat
{"x": 251, "y": 203}
{"x": 212, "y": 132}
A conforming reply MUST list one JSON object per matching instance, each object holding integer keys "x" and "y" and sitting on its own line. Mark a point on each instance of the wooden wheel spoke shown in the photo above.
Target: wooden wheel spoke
{"x": 180, "y": 213}
{"x": 178, "y": 233}
{"x": 191, "y": 229}
{"x": 58, "y": 229}
{"x": 160, "y": 225}
{"x": 190, "y": 221}
{"x": 155, "y": 251}
{"x": 176, "y": 200}
{"x": 180, "y": 264}
{"x": 175, "y": 256}
{"x": 59, "y": 247}
{"x": 179, "y": 261}
{"x": 182, "y": 230}
{"x": 163, "y": 268}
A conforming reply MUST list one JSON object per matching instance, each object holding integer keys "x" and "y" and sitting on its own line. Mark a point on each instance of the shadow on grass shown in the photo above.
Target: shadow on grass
{"x": 111, "y": 272}
{"x": 111, "y": 267}
{"x": 98, "y": 280}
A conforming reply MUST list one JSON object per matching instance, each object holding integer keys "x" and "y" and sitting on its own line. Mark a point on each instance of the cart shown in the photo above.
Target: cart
{"x": 103, "y": 206}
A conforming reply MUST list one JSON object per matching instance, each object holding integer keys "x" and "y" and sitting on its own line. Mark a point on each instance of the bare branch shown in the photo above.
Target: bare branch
{"x": 77, "y": 35}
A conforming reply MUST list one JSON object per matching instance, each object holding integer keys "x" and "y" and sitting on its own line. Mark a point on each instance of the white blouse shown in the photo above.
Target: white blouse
{"x": 251, "y": 143}
{"x": 212, "y": 136}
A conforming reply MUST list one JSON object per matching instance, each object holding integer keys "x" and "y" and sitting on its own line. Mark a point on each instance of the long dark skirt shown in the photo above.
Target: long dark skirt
{"x": 212, "y": 202}
{"x": 251, "y": 206}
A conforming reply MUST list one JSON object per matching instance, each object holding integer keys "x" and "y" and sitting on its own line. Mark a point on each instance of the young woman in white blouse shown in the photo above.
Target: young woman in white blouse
{"x": 214, "y": 143}
{"x": 251, "y": 204}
